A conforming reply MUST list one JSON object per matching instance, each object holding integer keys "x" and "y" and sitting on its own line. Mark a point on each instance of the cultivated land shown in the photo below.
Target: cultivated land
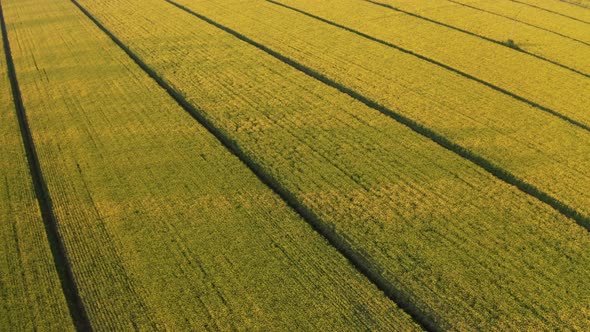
{"x": 31, "y": 296}
{"x": 550, "y": 21}
{"x": 164, "y": 227}
{"x": 547, "y": 35}
{"x": 550, "y": 87}
{"x": 279, "y": 165}
{"x": 557, "y": 7}
{"x": 469, "y": 114}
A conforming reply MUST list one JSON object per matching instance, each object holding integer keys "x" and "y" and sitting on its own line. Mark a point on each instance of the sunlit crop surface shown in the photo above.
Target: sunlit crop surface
{"x": 295, "y": 165}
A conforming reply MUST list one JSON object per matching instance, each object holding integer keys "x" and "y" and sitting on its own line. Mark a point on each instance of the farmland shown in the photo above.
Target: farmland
{"x": 130, "y": 236}
{"x": 31, "y": 293}
{"x": 471, "y": 115}
{"x": 295, "y": 165}
{"x": 542, "y": 34}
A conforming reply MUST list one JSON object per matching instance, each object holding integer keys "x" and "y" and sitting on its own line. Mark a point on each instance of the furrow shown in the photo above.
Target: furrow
{"x": 571, "y": 2}
{"x": 30, "y": 294}
{"x": 502, "y": 19}
{"x": 477, "y": 118}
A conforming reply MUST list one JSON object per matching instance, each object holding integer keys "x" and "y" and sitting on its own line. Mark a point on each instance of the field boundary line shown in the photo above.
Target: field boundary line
{"x": 519, "y": 21}
{"x": 384, "y": 5}
{"x": 549, "y": 11}
{"x": 59, "y": 253}
{"x": 356, "y": 259}
{"x": 439, "y": 139}
{"x": 442, "y": 65}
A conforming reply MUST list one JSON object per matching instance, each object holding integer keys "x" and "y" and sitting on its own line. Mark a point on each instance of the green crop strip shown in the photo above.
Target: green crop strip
{"x": 493, "y": 117}
{"x": 61, "y": 260}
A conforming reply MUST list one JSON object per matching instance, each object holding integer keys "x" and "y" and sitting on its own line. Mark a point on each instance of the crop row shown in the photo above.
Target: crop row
{"x": 508, "y": 133}
{"x": 514, "y": 73}
{"x": 164, "y": 228}
{"x": 557, "y": 7}
{"x": 30, "y": 290}
{"x": 513, "y": 12}
{"x": 420, "y": 215}
{"x": 544, "y": 41}
{"x": 579, "y": 3}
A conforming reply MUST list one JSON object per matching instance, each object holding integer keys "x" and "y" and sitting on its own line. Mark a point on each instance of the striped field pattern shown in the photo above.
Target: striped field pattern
{"x": 295, "y": 165}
